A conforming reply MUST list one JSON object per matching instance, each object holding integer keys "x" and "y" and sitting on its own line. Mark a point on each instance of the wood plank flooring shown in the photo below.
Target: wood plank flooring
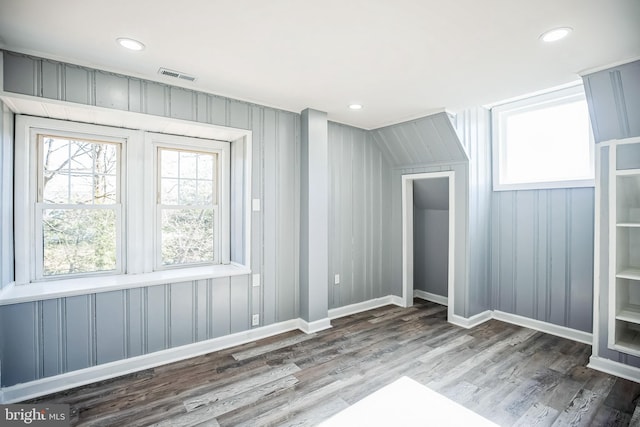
{"x": 508, "y": 374}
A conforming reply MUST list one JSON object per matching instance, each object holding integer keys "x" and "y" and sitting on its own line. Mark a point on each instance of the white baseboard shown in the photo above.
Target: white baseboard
{"x": 549, "y": 328}
{"x": 472, "y": 321}
{"x": 614, "y": 368}
{"x": 315, "y": 326}
{"x": 359, "y": 307}
{"x": 44, "y": 386}
{"x": 428, "y": 296}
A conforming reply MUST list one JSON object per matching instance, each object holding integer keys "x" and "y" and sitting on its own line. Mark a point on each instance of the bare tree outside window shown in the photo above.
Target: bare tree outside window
{"x": 187, "y": 206}
{"x": 79, "y": 199}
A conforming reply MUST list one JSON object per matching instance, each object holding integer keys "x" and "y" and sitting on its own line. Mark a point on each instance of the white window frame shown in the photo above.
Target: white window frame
{"x": 155, "y": 141}
{"x": 137, "y": 198}
{"x": 532, "y": 103}
{"x": 36, "y": 137}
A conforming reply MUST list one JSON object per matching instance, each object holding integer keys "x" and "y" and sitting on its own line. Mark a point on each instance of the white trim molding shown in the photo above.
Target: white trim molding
{"x": 614, "y": 368}
{"x": 359, "y": 307}
{"x": 428, "y": 296}
{"x": 549, "y": 328}
{"x": 315, "y": 326}
{"x": 471, "y": 322}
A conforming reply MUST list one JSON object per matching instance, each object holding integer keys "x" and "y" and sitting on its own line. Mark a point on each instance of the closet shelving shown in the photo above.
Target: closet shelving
{"x": 624, "y": 289}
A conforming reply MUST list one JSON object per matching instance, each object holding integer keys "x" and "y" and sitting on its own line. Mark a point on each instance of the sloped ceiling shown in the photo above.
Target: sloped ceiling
{"x": 428, "y": 140}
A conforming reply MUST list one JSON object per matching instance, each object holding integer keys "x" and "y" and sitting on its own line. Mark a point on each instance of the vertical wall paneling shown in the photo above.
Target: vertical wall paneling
{"x": 257, "y": 150}
{"x": 240, "y": 304}
{"x": 51, "y": 337}
{"x": 181, "y": 314}
{"x": 156, "y": 320}
{"x": 77, "y": 85}
{"x": 135, "y": 321}
{"x": 112, "y": 91}
{"x": 21, "y": 348}
{"x": 202, "y": 309}
{"x": 21, "y": 74}
{"x": 542, "y": 248}
{"x": 473, "y": 126}
{"x": 359, "y": 217}
{"x": 79, "y": 332}
{"x": 183, "y": 104}
{"x": 613, "y": 98}
{"x": 270, "y": 217}
{"x": 287, "y": 184}
{"x": 110, "y": 327}
{"x": 221, "y": 297}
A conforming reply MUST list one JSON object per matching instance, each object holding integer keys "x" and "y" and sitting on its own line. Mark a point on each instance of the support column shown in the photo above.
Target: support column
{"x": 314, "y": 221}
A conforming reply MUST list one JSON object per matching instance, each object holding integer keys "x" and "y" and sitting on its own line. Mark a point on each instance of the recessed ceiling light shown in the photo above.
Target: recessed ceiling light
{"x": 555, "y": 34}
{"x": 355, "y": 106}
{"x": 130, "y": 44}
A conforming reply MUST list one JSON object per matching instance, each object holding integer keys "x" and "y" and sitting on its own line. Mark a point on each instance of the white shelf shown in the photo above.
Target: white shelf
{"x": 629, "y": 313}
{"x": 628, "y": 342}
{"x": 629, "y": 273}
{"x": 628, "y": 224}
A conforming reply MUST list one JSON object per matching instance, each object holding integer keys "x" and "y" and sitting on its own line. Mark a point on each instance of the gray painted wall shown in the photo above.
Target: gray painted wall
{"x": 49, "y": 337}
{"x": 473, "y": 126}
{"x": 431, "y": 250}
{"x": 613, "y": 97}
{"x": 314, "y": 216}
{"x": 542, "y": 250}
{"x": 360, "y": 235}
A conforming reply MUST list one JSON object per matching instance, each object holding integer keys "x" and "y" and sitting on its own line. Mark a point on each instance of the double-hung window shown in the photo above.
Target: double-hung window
{"x": 543, "y": 141}
{"x": 187, "y": 207}
{"x": 95, "y": 201}
{"x": 78, "y": 216}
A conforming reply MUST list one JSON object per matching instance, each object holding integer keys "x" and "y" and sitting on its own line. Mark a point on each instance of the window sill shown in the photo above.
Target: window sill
{"x": 15, "y": 294}
{"x": 549, "y": 185}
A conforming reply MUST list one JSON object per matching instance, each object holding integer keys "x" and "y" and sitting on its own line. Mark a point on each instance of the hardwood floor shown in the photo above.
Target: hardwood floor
{"x": 508, "y": 374}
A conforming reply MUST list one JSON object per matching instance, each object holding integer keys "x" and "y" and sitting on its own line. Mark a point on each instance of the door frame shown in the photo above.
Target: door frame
{"x": 407, "y": 236}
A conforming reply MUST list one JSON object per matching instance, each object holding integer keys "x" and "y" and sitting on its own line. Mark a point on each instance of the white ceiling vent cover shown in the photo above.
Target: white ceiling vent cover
{"x": 176, "y": 74}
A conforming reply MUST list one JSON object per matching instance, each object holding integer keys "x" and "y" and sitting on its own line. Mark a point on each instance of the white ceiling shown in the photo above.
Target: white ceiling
{"x": 401, "y": 59}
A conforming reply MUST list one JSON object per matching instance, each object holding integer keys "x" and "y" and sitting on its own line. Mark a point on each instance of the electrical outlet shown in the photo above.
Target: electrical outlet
{"x": 255, "y": 280}
{"x": 255, "y": 205}
{"x": 255, "y": 320}
{"x": 336, "y": 279}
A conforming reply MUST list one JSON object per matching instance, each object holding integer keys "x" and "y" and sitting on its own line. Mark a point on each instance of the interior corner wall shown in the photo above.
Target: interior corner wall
{"x": 45, "y": 338}
{"x": 359, "y": 217}
{"x": 473, "y": 126}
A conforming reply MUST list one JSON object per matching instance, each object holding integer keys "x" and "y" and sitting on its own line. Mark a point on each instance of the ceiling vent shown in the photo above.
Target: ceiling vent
{"x": 176, "y": 74}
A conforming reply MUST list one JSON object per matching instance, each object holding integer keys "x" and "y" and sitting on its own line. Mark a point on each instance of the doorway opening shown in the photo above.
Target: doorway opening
{"x": 428, "y": 237}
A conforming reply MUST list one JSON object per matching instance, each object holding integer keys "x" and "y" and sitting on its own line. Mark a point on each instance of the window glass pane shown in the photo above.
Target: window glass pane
{"x": 548, "y": 144}
{"x": 205, "y": 166}
{"x": 187, "y": 236}
{"x": 169, "y": 163}
{"x": 78, "y": 241}
{"x": 169, "y": 191}
{"x": 188, "y": 191}
{"x": 79, "y": 172}
{"x": 205, "y": 192}
{"x": 188, "y": 164}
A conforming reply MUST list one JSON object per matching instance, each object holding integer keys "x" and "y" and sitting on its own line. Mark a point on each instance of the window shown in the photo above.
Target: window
{"x": 100, "y": 201}
{"x": 78, "y": 214}
{"x": 544, "y": 141}
{"x": 187, "y": 207}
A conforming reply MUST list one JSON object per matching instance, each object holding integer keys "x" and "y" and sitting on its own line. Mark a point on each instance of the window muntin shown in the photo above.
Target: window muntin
{"x": 187, "y": 207}
{"x": 78, "y": 211}
{"x": 543, "y": 141}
